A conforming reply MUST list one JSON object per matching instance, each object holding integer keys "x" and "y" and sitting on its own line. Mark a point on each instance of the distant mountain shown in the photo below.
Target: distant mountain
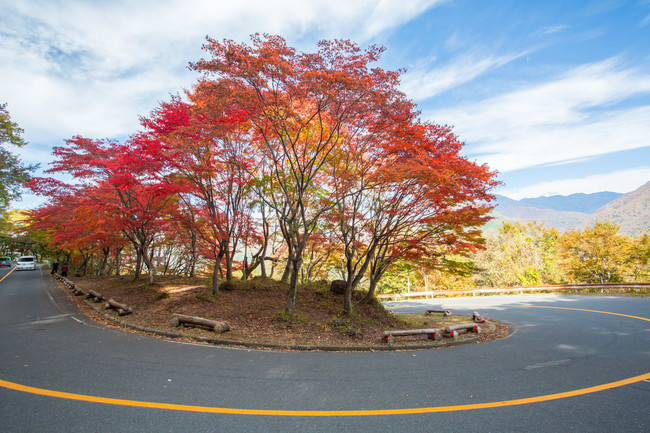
{"x": 631, "y": 211}
{"x": 585, "y": 203}
{"x": 513, "y": 210}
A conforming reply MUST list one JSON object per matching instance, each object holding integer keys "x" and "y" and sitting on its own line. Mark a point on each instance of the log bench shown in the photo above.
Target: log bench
{"x": 477, "y": 318}
{"x": 452, "y": 331}
{"x": 432, "y": 334}
{"x": 214, "y": 325}
{"x": 95, "y": 296}
{"x": 444, "y": 313}
{"x": 122, "y": 309}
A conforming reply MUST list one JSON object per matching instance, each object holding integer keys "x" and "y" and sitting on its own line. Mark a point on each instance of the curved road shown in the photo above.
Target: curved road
{"x": 522, "y": 383}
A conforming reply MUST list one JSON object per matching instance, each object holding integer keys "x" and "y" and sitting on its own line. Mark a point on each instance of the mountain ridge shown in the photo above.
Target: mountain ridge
{"x": 630, "y": 211}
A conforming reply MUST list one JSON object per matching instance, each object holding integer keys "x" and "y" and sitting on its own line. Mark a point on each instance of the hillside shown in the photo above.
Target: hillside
{"x": 583, "y": 203}
{"x": 631, "y": 211}
{"x": 513, "y": 210}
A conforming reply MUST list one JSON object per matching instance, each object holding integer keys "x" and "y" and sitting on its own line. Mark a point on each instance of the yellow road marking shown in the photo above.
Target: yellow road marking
{"x": 578, "y": 309}
{"x": 12, "y": 269}
{"x": 330, "y": 413}
{"x": 314, "y": 413}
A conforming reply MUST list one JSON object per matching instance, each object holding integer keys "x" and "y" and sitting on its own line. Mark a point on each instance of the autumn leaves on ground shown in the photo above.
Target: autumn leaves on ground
{"x": 255, "y": 312}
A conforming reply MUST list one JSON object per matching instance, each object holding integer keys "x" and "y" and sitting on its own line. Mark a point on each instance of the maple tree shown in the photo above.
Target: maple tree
{"x": 416, "y": 197}
{"x": 302, "y": 108}
{"x": 123, "y": 184}
{"x": 206, "y": 153}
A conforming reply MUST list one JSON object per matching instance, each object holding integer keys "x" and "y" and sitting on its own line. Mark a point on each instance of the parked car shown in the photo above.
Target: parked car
{"x": 5, "y": 261}
{"x": 26, "y": 263}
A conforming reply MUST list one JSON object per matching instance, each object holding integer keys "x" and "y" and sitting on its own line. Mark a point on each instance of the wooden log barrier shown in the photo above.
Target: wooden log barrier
{"x": 452, "y": 331}
{"x": 214, "y": 325}
{"x": 122, "y": 309}
{"x": 453, "y": 334}
{"x": 95, "y": 296}
{"x": 432, "y": 334}
{"x": 67, "y": 282}
{"x": 444, "y": 313}
{"x": 77, "y": 292}
{"x": 477, "y": 318}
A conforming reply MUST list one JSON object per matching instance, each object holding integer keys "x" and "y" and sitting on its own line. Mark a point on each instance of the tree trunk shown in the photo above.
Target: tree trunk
{"x": 215, "y": 278}
{"x": 347, "y": 303}
{"x": 193, "y": 267}
{"x": 138, "y": 262}
{"x": 229, "y": 258}
{"x": 293, "y": 285}
{"x": 102, "y": 265}
{"x": 149, "y": 262}
{"x": 374, "y": 280}
{"x": 263, "y": 267}
{"x": 118, "y": 264}
{"x": 287, "y": 272}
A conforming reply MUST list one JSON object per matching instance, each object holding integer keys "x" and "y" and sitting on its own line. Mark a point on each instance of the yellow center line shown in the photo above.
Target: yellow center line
{"x": 332, "y": 413}
{"x": 316, "y": 413}
{"x": 12, "y": 269}
{"x": 578, "y": 309}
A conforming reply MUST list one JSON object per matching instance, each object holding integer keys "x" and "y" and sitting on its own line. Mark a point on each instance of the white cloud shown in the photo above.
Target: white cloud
{"x": 622, "y": 181}
{"x": 92, "y": 68}
{"x": 425, "y": 82}
{"x": 553, "y": 29}
{"x": 569, "y": 117}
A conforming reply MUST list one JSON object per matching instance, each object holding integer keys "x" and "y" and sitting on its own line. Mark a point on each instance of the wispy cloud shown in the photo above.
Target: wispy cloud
{"x": 553, "y": 29}
{"x": 645, "y": 21}
{"x": 622, "y": 181}
{"x": 430, "y": 80}
{"x": 574, "y": 115}
{"x": 74, "y": 66}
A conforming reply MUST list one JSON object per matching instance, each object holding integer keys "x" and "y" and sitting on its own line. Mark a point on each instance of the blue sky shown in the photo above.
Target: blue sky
{"x": 554, "y": 95}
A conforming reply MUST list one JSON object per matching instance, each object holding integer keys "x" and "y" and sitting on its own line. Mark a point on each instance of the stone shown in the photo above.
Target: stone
{"x": 338, "y": 287}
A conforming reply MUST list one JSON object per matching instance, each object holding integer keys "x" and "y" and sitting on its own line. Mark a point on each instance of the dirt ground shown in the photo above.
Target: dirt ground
{"x": 254, "y": 310}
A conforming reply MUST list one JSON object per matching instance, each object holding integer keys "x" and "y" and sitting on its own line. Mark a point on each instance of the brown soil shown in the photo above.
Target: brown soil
{"x": 255, "y": 312}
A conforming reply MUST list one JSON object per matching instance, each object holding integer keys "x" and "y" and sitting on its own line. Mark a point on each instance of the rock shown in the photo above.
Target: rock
{"x": 338, "y": 287}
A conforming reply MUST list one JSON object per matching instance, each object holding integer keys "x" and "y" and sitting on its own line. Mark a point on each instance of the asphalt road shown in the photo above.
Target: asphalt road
{"x": 502, "y": 386}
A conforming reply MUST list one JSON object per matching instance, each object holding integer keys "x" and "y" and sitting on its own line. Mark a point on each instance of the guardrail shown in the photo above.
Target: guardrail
{"x": 504, "y": 290}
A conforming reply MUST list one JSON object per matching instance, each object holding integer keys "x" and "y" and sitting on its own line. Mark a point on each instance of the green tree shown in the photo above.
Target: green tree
{"x": 639, "y": 259}
{"x": 520, "y": 255}
{"x": 12, "y": 172}
{"x": 597, "y": 254}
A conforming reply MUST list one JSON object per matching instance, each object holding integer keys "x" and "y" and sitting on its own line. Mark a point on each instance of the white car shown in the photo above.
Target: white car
{"x": 26, "y": 263}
